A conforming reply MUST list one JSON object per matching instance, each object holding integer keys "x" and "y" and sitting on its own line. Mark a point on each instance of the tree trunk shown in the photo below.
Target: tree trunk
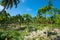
{"x": 46, "y": 27}
{"x": 6, "y": 39}
{"x": 46, "y": 31}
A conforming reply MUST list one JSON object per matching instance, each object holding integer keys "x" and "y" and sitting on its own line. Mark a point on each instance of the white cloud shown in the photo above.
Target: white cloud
{"x": 28, "y": 9}
{"x": 23, "y": 1}
{"x": 1, "y": 8}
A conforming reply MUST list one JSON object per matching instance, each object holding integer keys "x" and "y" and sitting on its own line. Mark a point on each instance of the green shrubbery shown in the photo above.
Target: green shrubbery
{"x": 9, "y": 35}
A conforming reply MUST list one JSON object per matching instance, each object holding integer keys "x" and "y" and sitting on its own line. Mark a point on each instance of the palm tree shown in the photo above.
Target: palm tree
{"x": 19, "y": 19}
{"x": 27, "y": 18}
{"x": 4, "y": 18}
{"x": 9, "y": 3}
{"x": 45, "y": 9}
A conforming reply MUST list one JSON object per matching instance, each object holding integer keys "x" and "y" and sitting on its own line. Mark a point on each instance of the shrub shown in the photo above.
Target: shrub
{"x": 10, "y": 35}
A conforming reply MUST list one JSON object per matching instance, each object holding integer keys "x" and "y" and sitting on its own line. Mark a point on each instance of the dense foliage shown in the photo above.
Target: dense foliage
{"x": 19, "y": 26}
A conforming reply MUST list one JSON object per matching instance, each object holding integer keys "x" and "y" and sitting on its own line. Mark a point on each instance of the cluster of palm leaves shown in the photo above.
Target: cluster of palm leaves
{"x": 9, "y": 3}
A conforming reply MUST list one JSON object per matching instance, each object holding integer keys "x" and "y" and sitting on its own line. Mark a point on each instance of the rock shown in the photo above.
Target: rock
{"x": 56, "y": 30}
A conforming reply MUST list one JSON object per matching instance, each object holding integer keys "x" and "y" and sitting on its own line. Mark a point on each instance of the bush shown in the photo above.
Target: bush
{"x": 10, "y": 35}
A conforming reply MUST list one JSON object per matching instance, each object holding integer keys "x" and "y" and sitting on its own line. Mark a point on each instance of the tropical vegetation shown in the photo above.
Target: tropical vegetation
{"x": 26, "y": 27}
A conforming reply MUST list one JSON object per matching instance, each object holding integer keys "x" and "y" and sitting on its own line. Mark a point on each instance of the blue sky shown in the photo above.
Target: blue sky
{"x": 31, "y": 7}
